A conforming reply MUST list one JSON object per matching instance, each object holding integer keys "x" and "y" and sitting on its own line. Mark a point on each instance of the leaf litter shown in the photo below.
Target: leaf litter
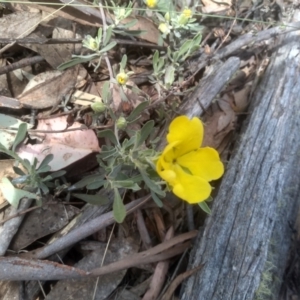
{"x": 63, "y": 100}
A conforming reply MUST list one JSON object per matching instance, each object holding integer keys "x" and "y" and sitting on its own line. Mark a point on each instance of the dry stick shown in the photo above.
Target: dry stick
{"x": 40, "y": 270}
{"x": 177, "y": 281}
{"x": 21, "y": 64}
{"x": 9, "y": 229}
{"x": 111, "y": 74}
{"x": 137, "y": 259}
{"x": 23, "y": 212}
{"x": 82, "y": 232}
{"x": 160, "y": 273}
{"x": 45, "y": 41}
{"x": 243, "y": 41}
{"x": 144, "y": 234}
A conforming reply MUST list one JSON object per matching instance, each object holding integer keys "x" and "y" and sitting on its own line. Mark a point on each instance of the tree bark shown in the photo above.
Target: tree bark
{"x": 250, "y": 226}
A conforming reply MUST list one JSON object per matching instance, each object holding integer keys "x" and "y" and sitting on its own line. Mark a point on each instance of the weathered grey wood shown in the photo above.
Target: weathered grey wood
{"x": 210, "y": 86}
{"x": 259, "y": 194}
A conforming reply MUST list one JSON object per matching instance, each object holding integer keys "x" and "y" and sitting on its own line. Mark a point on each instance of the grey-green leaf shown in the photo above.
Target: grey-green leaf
{"x": 137, "y": 111}
{"x": 14, "y": 195}
{"x": 92, "y": 199}
{"x": 44, "y": 166}
{"x": 203, "y": 205}
{"x": 119, "y": 209}
{"x": 21, "y": 134}
{"x": 145, "y": 132}
{"x": 86, "y": 181}
{"x": 107, "y": 133}
{"x": 151, "y": 185}
{"x": 156, "y": 199}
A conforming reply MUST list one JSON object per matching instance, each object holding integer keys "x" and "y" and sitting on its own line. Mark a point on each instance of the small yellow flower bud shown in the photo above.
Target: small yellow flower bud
{"x": 122, "y": 78}
{"x": 164, "y": 28}
{"x": 121, "y": 123}
{"x": 167, "y": 16}
{"x": 151, "y": 3}
{"x": 98, "y": 107}
{"x": 187, "y": 13}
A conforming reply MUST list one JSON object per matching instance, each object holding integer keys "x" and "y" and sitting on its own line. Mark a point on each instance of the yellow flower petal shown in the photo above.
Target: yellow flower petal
{"x": 192, "y": 189}
{"x": 151, "y": 3}
{"x": 204, "y": 162}
{"x": 188, "y": 132}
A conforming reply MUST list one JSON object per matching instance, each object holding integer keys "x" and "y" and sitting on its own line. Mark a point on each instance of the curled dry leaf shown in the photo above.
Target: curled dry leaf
{"x": 66, "y": 147}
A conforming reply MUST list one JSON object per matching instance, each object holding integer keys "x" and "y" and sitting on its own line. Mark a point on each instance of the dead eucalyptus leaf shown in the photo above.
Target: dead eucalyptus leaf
{"x": 49, "y": 89}
{"x": 19, "y": 24}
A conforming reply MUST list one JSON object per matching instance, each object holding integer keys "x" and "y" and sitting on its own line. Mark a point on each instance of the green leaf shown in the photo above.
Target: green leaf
{"x": 21, "y": 134}
{"x": 130, "y": 24}
{"x": 108, "y": 35}
{"x": 95, "y": 185}
{"x": 128, "y": 184}
{"x": 128, "y": 143}
{"x": 99, "y": 35}
{"x": 44, "y": 166}
{"x": 203, "y": 205}
{"x": 123, "y": 62}
{"x": 76, "y": 61}
{"x": 151, "y": 185}
{"x": 115, "y": 171}
{"x": 92, "y": 199}
{"x": 144, "y": 134}
{"x": 7, "y": 137}
{"x": 137, "y": 111}
{"x": 119, "y": 209}
{"x": 106, "y": 95}
{"x": 44, "y": 188}
{"x": 156, "y": 199}
{"x": 108, "y": 133}
{"x": 54, "y": 175}
{"x": 86, "y": 181}
{"x": 108, "y": 47}
{"x": 14, "y": 195}
{"x": 21, "y": 179}
{"x": 169, "y": 75}
{"x": 155, "y": 62}
{"x": 18, "y": 171}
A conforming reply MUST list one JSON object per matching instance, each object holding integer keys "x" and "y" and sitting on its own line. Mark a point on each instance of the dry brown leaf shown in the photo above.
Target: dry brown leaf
{"x": 50, "y": 218}
{"x": 67, "y": 147}
{"x": 84, "y": 289}
{"x": 48, "y": 89}
{"x": 213, "y": 6}
{"x": 85, "y": 99}
{"x": 19, "y": 24}
{"x": 241, "y": 99}
{"x": 218, "y": 125}
{"x": 152, "y": 33}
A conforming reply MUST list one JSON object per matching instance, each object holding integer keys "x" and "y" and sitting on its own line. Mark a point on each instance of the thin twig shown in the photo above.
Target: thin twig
{"x": 177, "y": 281}
{"x": 82, "y": 232}
{"x": 111, "y": 74}
{"x": 21, "y": 64}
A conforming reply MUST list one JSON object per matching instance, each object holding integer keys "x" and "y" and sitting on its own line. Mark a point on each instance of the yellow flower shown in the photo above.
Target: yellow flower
{"x": 164, "y": 28}
{"x": 122, "y": 78}
{"x": 187, "y": 13}
{"x": 151, "y": 3}
{"x": 185, "y": 166}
